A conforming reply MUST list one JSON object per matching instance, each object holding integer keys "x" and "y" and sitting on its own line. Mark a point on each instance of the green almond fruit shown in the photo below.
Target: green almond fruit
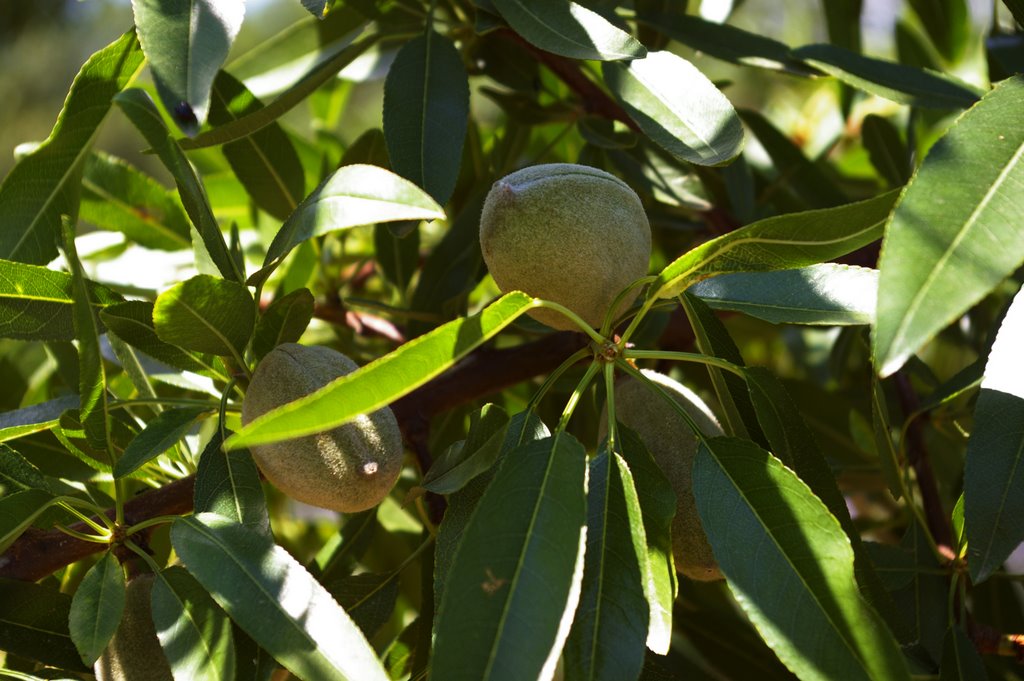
{"x": 350, "y": 468}
{"x": 134, "y": 652}
{"x": 567, "y": 233}
{"x": 673, "y": 445}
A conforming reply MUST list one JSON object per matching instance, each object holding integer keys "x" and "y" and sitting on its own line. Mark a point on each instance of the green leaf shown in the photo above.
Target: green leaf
{"x": 140, "y": 110}
{"x": 206, "y": 314}
{"x": 800, "y": 592}
{"x": 677, "y": 107}
{"x": 568, "y": 29}
{"x": 92, "y": 379}
{"x": 886, "y": 149}
{"x": 37, "y": 303}
{"x": 45, "y": 184}
{"x": 889, "y": 460}
{"x": 228, "y": 484}
{"x": 515, "y": 581}
{"x": 779, "y": 243}
{"x": 274, "y": 599}
{"x": 96, "y": 607}
{"x": 948, "y": 23}
{"x": 353, "y": 195}
{"x": 902, "y": 84}
{"x": 828, "y": 294}
{"x": 463, "y": 461}
{"x": 119, "y": 197}
{"x": 994, "y": 471}
{"x": 248, "y": 124}
{"x": 159, "y": 435}
{"x": 610, "y": 628}
{"x": 186, "y": 42}
{"x": 1017, "y": 9}
{"x": 426, "y": 111}
{"x": 194, "y": 632}
{"x": 960, "y": 659}
{"x": 386, "y": 379}
{"x": 17, "y": 474}
{"x": 317, "y": 8}
{"x": 265, "y": 162}
{"x": 34, "y": 624}
{"x": 132, "y": 322}
{"x": 18, "y": 511}
{"x": 368, "y": 597}
{"x": 953, "y": 236}
{"x": 36, "y": 418}
{"x": 397, "y": 256}
{"x": 284, "y": 321}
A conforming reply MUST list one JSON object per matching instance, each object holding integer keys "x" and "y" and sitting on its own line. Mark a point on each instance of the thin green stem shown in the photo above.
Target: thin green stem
{"x": 635, "y": 322}
{"x": 576, "y": 319}
{"x": 142, "y": 553}
{"x": 554, "y": 376}
{"x": 685, "y": 357}
{"x": 150, "y": 522}
{"x": 609, "y": 316}
{"x": 574, "y": 399}
{"x": 609, "y": 386}
{"x": 63, "y": 503}
{"x": 94, "y": 538}
{"x": 678, "y": 408}
{"x": 178, "y": 401}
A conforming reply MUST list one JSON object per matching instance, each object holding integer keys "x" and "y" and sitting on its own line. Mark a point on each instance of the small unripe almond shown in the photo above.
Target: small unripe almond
{"x": 673, "y": 445}
{"x": 349, "y": 468}
{"x": 134, "y": 653}
{"x": 568, "y": 233}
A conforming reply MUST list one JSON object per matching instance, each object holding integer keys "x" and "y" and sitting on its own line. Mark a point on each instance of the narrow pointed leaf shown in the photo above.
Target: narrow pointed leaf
{"x": 900, "y": 83}
{"x": 678, "y": 107}
{"x": 386, "y": 379}
{"x": 354, "y": 195}
{"x": 206, "y": 314}
{"x": 994, "y": 472}
{"x": 515, "y": 581}
{"x": 140, "y": 110}
{"x": 948, "y": 23}
{"x": 799, "y": 591}
{"x": 886, "y": 149}
{"x": 18, "y": 511}
{"x": 779, "y": 243}
{"x": 274, "y": 599}
{"x": 228, "y": 484}
{"x": 283, "y": 321}
{"x": 34, "y": 624}
{"x": 827, "y": 294}
{"x": 568, "y": 29}
{"x": 194, "y": 632}
{"x": 317, "y": 8}
{"x": 37, "y": 303}
{"x": 132, "y": 322}
{"x": 159, "y": 435}
{"x": 45, "y": 184}
{"x": 265, "y": 162}
{"x": 459, "y": 464}
{"x": 17, "y": 474}
{"x": 609, "y": 629}
{"x": 426, "y": 110}
{"x": 954, "y": 235}
{"x": 186, "y": 42}
{"x": 960, "y": 659}
{"x": 96, "y": 607}
{"x": 119, "y": 197}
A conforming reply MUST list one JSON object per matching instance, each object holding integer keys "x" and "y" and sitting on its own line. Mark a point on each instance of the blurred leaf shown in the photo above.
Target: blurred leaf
{"x": 994, "y": 471}
{"x": 948, "y": 23}
{"x": 18, "y": 511}
{"x": 953, "y": 236}
{"x": 141, "y": 111}
{"x": 903, "y": 84}
{"x": 1016, "y": 7}
{"x": 353, "y": 195}
{"x": 265, "y": 162}
{"x": 889, "y": 460}
{"x": 34, "y": 624}
{"x": 228, "y": 484}
{"x": 96, "y": 607}
{"x": 568, "y": 29}
{"x": 800, "y": 593}
{"x": 272, "y": 597}
{"x": 515, "y": 581}
{"x": 385, "y": 379}
{"x": 186, "y": 42}
{"x": 118, "y": 197}
{"x": 206, "y": 314}
{"x": 37, "y": 303}
{"x": 193, "y": 631}
{"x": 610, "y": 628}
{"x": 777, "y": 243}
{"x": 677, "y": 107}
{"x": 886, "y": 150}
{"x": 426, "y": 110}
{"x": 18, "y": 474}
{"x": 284, "y": 321}
{"x": 828, "y": 294}
{"x": 298, "y": 92}
{"x": 46, "y": 183}
{"x": 317, "y": 8}
{"x": 159, "y": 435}
{"x": 397, "y": 257}
{"x": 843, "y": 19}
{"x": 132, "y": 322}
{"x": 463, "y": 461}
{"x": 960, "y": 659}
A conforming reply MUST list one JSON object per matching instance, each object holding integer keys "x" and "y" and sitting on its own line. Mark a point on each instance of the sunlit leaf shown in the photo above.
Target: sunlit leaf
{"x": 206, "y": 314}
{"x": 96, "y": 607}
{"x": 568, "y": 29}
{"x": 159, "y": 435}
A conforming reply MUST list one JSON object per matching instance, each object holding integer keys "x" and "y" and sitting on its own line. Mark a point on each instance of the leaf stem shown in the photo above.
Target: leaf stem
{"x": 685, "y": 357}
{"x": 576, "y": 319}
